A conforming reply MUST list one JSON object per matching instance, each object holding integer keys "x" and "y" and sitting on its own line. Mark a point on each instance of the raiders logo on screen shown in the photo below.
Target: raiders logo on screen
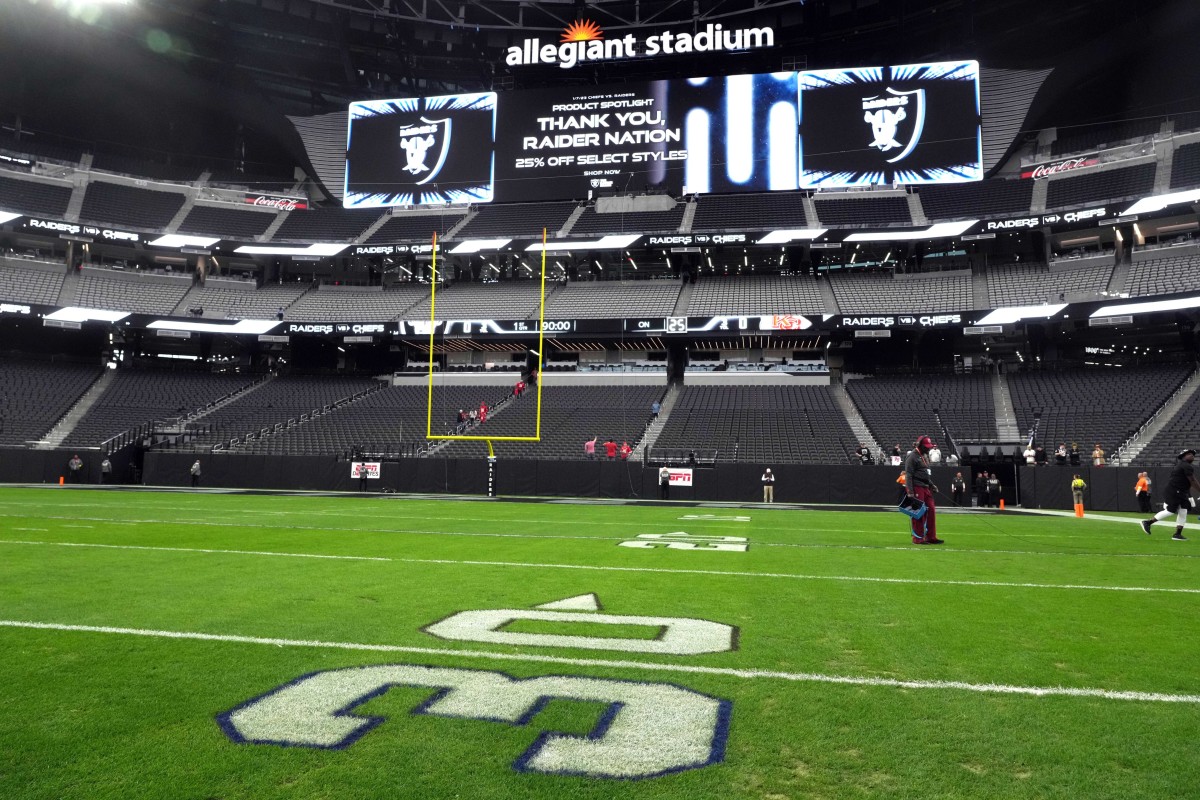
{"x": 918, "y": 123}
{"x": 421, "y": 151}
{"x": 887, "y": 114}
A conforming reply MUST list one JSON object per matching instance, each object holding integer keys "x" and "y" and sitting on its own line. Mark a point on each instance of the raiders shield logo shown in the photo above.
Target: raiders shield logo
{"x": 897, "y": 120}
{"x": 425, "y": 148}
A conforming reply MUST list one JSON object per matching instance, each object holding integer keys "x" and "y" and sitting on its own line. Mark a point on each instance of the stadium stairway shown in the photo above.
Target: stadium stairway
{"x": 1007, "y": 429}
{"x": 681, "y": 302}
{"x": 1184, "y": 395}
{"x": 916, "y": 210}
{"x": 75, "y": 204}
{"x": 828, "y": 298}
{"x": 1119, "y": 279}
{"x": 570, "y": 223}
{"x": 275, "y": 225}
{"x": 857, "y": 423}
{"x": 69, "y": 290}
{"x": 181, "y": 215}
{"x": 979, "y": 289}
{"x": 62, "y": 429}
{"x": 689, "y": 216}
{"x": 650, "y": 437}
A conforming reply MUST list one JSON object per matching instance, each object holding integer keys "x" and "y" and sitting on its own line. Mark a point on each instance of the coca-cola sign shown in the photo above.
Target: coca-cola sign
{"x": 277, "y": 202}
{"x": 1058, "y": 167}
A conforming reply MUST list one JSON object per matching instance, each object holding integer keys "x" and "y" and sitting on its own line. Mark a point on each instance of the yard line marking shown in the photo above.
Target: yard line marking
{"x": 745, "y": 674}
{"x": 195, "y": 550}
{"x": 604, "y": 568}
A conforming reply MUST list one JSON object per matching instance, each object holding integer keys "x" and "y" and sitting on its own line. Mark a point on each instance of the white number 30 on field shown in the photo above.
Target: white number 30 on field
{"x": 646, "y": 729}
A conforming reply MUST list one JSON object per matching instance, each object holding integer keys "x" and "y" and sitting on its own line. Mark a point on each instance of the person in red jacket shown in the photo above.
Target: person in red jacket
{"x": 626, "y": 450}
{"x": 610, "y": 449}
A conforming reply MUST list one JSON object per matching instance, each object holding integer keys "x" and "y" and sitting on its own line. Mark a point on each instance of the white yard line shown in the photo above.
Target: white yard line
{"x": 602, "y": 568}
{"x": 744, "y": 674}
{"x": 901, "y": 534}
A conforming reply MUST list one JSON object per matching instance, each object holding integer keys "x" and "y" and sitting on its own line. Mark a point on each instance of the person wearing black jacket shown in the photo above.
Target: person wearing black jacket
{"x": 958, "y": 488}
{"x": 919, "y": 485}
{"x": 981, "y": 492}
{"x": 1177, "y": 496}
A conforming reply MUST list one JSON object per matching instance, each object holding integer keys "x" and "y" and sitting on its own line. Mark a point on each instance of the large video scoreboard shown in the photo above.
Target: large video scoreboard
{"x": 739, "y": 133}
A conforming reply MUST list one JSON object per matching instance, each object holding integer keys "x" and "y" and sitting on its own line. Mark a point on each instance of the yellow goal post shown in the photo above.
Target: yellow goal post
{"x": 537, "y": 434}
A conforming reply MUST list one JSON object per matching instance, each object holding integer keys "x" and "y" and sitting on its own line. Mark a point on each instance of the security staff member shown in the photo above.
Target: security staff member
{"x": 1141, "y": 490}
{"x": 1177, "y": 497}
{"x": 958, "y": 489}
{"x": 664, "y": 483}
{"x": 981, "y": 493}
{"x": 768, "y": 482}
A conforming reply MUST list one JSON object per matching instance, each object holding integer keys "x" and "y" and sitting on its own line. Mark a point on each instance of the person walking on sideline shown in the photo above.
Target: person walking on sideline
{"x": 1141, "y": 490}
{"x": 919, "y": 484}
{"x": 902, "y": 485}
{"x": 195, "y": 473}
{"x": 1177, "y": 498}
{"x": 75, "y": 465}
{"x": 105, "y": 470}
{"x": 768, "y": 482}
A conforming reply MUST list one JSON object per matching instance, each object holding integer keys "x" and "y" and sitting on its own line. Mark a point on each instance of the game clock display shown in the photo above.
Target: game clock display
{"x": 918, "y": 123}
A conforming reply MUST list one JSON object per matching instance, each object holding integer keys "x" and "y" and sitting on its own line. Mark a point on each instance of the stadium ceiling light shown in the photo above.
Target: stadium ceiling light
{"x": 255, "y": 326}
{"x": 6, "y": 216}
{"x": 177, "y": 240}
{"x": 1150, "y": 204}
{"x": 792, "y": 235}
{"x": 1006, "y": 316}
{"x": 615, "y": 242}
{"x": 942, "y": 230}
{"x": 475, "y": 245}
{"x": 1148, "y": 308}
{"x": 311, "y": 250}
{"x": 79, "y": 314}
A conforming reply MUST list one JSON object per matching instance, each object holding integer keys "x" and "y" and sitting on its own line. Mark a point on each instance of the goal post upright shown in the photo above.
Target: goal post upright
{"x": 537, "y": 435}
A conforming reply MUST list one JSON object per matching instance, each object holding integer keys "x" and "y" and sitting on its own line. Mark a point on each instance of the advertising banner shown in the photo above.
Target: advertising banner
{"x": 1057, "y": 167}
{"x": 368, "y": 468}
{"x": 681, "y": 476}
{"x": 277, "y": 202}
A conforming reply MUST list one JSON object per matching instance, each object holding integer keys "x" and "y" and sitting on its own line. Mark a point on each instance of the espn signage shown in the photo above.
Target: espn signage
{"x": 1026, "y": 223}
{"x": 277, "y": 202}
{"x": 680, "y": 476}
{"x": 1058, "y": 167}
{"x": 365, "y": 469}
{"x": 584, "y": 41}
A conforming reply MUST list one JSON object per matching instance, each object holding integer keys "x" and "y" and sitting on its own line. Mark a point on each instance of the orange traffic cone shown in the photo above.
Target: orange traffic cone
{"x": 1001, "y": 503}
{"x": 1079, "y": 510}
{"x": 61, "y": 480}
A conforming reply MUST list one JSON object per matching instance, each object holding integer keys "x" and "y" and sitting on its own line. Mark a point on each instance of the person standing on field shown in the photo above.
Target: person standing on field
{"x": 768, "y": 482}
{"x": 664, "y": 483}
{"x": 919, "y": 484}
{"x": 1077, "y": 487}
{"x": 1141, "y": 490}
{"x": 958, "y": 489}
{"x": 195, "y": 473}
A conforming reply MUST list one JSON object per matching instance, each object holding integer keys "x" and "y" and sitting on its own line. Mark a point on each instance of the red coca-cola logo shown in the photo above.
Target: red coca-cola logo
{"x": 1046, "y": 170}
{"x": 280, "y": 203}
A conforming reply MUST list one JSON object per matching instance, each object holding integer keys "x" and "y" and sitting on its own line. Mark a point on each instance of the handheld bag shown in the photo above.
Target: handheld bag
{"x": 912, "y": 507}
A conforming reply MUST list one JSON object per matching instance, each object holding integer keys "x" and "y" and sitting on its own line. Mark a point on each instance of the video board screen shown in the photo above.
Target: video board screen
{"x": 421, "y": 151}
{"x": 734, "y": 133}
{"x": 737, "y": 133}
{"x": 917, "y": 123}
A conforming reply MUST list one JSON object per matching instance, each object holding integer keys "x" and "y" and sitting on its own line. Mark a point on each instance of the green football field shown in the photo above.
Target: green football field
{"x": 207, "y": 645}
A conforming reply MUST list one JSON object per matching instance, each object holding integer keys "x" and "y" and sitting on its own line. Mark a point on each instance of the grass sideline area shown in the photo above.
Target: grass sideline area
{"x": 212, "y": 645}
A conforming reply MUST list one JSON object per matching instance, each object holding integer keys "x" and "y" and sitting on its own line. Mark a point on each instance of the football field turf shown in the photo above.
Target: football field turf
{"x": 207, "y": 645}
